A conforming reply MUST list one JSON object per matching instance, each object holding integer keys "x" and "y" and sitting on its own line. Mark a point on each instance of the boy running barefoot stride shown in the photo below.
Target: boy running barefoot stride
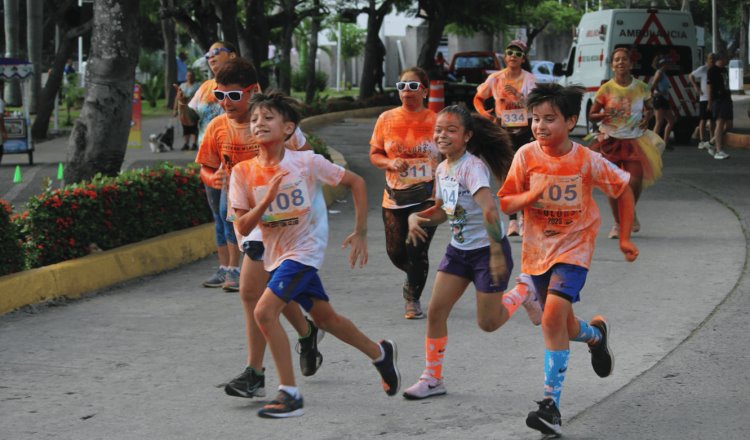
{"x": 552, "y": 180}
{"x": 280, "y": 190}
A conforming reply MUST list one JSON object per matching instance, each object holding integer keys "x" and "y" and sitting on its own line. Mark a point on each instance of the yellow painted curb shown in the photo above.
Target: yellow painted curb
{"x": 71, "y": 279}
{"x": 737, "y": 140}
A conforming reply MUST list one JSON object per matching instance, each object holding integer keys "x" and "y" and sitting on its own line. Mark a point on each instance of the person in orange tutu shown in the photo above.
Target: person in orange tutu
{"x": 623, "y": 107}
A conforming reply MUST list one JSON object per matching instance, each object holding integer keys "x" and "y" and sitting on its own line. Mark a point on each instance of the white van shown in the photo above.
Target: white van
{"x": 649, "y": 34}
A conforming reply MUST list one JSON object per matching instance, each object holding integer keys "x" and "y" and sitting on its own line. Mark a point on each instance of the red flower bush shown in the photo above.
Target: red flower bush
{"x": 108, "y": 212}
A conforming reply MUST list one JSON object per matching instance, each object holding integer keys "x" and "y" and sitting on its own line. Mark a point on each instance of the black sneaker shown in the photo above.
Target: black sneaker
{"x": 248, "y": 384}
{"x": 546, "y": 419}
{"x": 284, "y": 405}
{"x": 602, "y": 358}
{"x": 307, "y": 347}
{"x": 195, "y": 147}
{"x": 185, "y": 147}
{"x": 388, "y": 369}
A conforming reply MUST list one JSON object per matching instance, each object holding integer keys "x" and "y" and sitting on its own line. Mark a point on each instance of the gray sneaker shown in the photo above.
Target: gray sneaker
{"x": 413, "y": 310}
{"x": 217, "y": 279}
{"x": 232, "y": 282}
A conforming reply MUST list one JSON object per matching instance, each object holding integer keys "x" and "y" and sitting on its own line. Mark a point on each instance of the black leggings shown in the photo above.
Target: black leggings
{"x": 409, "y": 258}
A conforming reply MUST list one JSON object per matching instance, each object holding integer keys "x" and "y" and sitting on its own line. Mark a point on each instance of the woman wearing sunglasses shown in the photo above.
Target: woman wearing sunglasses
{"x": 509, "y": 89}
{"x": 201, "y": 109}
{"x": 402, "y": 145}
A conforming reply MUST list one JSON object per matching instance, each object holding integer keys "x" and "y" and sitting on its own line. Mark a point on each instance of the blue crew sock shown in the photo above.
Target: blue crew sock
{"x": 588, "y": 333}
{"x": 555, "y": 366}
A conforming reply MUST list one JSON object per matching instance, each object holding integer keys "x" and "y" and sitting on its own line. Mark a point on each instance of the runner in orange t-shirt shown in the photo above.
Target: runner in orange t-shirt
{"x": 552, "y": 180}
{"x": 402, "y": 145}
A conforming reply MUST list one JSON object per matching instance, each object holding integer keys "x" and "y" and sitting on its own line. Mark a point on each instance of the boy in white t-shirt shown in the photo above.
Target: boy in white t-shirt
{"x": 280, "y": 190}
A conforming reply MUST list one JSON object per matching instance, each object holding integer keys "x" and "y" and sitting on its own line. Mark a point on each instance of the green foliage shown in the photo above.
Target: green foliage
{"x": 108, "y": 212}
{"x": 11, "y": 256}
{"x": 319, "y": 146}
{"x": 150, "y": 63}
{"x": 353, "y": 40}
{"x": 299, "y": 80}
{"x": 153, "y": 89}
{"x": 72, "y": 95}
{"x": 560, "y": 17}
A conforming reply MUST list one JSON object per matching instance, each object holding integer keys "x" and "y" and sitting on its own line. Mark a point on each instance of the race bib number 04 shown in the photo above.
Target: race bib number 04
{"x": 290, "y": 203}
{"x": 515, "y": 117}
{"x": 449, "y": 195}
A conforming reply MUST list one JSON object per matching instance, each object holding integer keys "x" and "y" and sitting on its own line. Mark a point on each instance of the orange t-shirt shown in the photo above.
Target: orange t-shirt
{"x": 561, "y": 226}
{"x": 228, "y": 143}
{"x": 407, "y": 135}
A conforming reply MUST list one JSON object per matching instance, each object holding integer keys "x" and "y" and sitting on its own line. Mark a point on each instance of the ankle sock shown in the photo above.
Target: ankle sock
{"x": 434, "y": 352}
{"x": 555, "y": 366}
{"x": 588, "y": 333}
{"x": 514, "y": 298}
{"x": 292, "y": 391}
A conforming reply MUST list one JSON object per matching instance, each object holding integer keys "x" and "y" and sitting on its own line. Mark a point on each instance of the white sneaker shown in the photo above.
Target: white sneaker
{"x": 720, "y": 155}
{"x": 513, "y": 228}
{"x": 702, "y": 145}
{"x": 425, "y": 387}
{"x": 711, "y": 150}
{"x": 614, "y": 232}
{"x": 531, "y": 304}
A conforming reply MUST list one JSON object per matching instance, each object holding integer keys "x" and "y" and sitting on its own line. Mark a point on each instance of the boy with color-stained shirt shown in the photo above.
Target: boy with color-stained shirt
{"x": 227, "y": 142}
{"x": 280, "y": 190}
{"x": 552, "y": 180}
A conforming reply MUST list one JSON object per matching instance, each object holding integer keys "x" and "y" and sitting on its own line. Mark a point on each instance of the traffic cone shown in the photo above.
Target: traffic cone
{"x": 436, "y": 101}
{"x": 60, "y": 171}
{"x": 17, "y": 176}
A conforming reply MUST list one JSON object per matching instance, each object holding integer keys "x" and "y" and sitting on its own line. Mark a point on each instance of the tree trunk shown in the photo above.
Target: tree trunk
{"x": 257, "y": 36}
{"x": 744, "y": 10}
{"x": 34, "y": 32}
{"x": 226, "y": 10}
{"x": 12, "y": 95}
{"x": 312, "y": 54}
{"x": 170, "y": 55}
{"x": 374, "y": 54}
{"x": 99, "y": 138}
{"x": 435, "y": 28}
{"x": 46, "y": 104}
{"x": 287, "y": 37}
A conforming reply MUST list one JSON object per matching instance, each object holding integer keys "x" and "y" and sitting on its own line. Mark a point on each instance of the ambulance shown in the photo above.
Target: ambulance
{"x": 650, "y": 34}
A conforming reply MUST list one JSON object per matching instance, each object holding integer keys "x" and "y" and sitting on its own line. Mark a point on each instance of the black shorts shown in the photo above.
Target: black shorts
{"x": 661, "y": 102}
{"x": 723, "y": 109}
{"x": 704, "y": 112}
{"x": 189, "y": 129}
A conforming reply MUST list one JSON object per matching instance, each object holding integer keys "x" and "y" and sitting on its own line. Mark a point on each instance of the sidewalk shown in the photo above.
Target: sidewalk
{"x": 147, "y": 359}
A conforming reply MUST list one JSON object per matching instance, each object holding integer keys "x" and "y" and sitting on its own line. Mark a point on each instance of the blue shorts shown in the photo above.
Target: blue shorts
{"x": 298, "y": 282}
{"x": 474, "y": 265}
{"x": 254, "y": 250}
{"x": 563, "y": 280}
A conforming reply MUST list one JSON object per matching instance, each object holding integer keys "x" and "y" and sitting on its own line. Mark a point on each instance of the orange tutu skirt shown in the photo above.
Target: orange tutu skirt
{"x": 646, "y": 149}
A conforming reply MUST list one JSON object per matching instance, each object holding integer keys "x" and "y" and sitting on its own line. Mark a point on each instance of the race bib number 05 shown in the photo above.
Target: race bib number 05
{"x": 561, "y": 202}
{"x": 290, "y": 203}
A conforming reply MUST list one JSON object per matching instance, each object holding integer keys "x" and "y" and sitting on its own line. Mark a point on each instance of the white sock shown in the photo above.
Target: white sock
{"x": 382, "y": 355}
{"x": 292, "y": 391}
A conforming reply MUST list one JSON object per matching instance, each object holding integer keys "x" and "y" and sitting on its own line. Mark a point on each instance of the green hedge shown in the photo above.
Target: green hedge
{"x": 11, "y": 255}
{"x": 108, "y": 212}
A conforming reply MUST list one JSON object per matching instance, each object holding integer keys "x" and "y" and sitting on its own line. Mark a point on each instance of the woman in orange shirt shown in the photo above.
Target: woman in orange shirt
{"x": 403, "y": 147}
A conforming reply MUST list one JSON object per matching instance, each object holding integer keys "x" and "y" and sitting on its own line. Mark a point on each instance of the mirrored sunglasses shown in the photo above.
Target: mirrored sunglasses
{"x": 233, "y": 95}
{"x": 215, "y": 51}
{"x": 514, "y": 53}
{"x": 408, "y": 85}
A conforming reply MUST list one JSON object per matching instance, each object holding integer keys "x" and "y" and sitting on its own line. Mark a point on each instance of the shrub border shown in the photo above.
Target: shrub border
{"x": 72, "y": 279}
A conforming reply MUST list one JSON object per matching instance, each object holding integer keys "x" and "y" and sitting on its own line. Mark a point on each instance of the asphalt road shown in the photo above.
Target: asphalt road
{"x": 146, "y": 360}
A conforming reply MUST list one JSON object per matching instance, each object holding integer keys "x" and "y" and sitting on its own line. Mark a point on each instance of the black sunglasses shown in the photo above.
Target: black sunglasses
{"x": 408, "y": 85}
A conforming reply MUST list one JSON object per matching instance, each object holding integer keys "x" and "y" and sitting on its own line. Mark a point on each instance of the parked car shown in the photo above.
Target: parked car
{"x": 542, "y": 69}
{"x": 474, "y": 67}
